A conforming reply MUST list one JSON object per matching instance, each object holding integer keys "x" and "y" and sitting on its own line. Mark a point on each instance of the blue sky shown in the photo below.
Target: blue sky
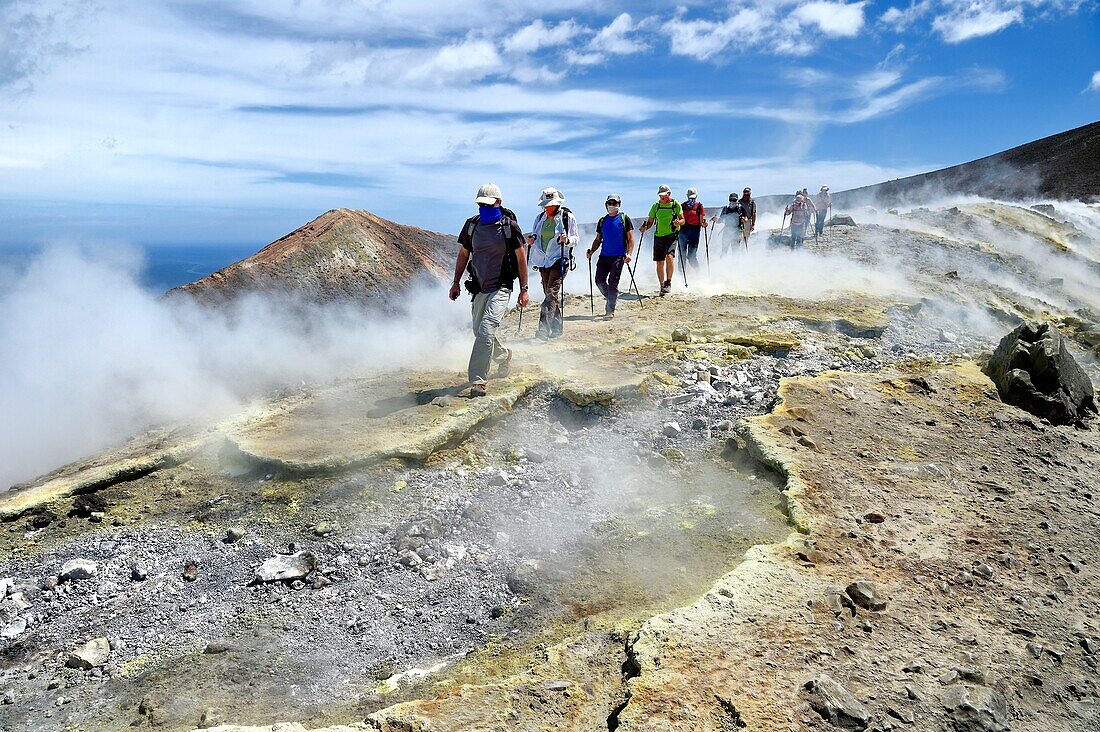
{"x": 238, "y": 120}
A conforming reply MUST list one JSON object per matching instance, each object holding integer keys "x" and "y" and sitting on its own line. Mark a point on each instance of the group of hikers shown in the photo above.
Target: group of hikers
{"x": 805, "y": 210}
{"x": 494, "y": 252}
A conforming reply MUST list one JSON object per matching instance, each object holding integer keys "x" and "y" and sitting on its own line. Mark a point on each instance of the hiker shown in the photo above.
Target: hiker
{"x": 491, "y": 248}
{"x": 746, "y": 219}
{"x": 730, "y": 212}
{"x": 615, "y": 236}
{"x": 550, "y": 250}
{"x": 694, "y": 222}
{"x": 801, "y": 212}
{"x": 822, "y": 203}
{"x": 667, "y": 215}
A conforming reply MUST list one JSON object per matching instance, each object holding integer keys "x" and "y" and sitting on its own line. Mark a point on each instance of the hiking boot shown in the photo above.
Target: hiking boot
{"x": 666, "y": 288}
{"x": 477, "y": 390}
{"x": 505, "y": 366}
{"x": 609, "y": 314}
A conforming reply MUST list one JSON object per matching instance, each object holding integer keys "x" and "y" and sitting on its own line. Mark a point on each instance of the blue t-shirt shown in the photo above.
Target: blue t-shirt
{"x": 613, "y": 232}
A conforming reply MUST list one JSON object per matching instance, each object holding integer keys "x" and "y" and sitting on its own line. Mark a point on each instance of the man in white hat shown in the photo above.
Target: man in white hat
{"x": 491, "y": 245}
{"x": 549, "y": 250}
{"x": 667, "y": 215}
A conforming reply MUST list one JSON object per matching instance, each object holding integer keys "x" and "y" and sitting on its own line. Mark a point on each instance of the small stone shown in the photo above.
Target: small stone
{"x": 864, "y": 594}
{"x": 913, "y": 667}
{"x": 984, "y": 571}
{"x": 409, "y": 558}
{"x": 902, "y": 715}
{"x": 212, "y": 717}
{"x": 92, "y": 654}
{"x": 191, "y": 571}
{"x": 78, "y": 569}
{"x": 699, "y": 423}
{"x": 233, "y": 534}
{"x": 138, "y": 572}
{"x": 524, "y": 579}
{"x": 324, "y": 528}
{"x": 874, "y": 517}
{"x": 836, "y": 704}
{"x": 216, "y": 647}
{"x": 912, "y": 693}
{"x": 976, "y": 708}
{"x": 703, "y": 376}
{"x": 681, "y": 335}
{"x": 671, "y": 429}
{"x": 948, "y": 677}
{"x": 285, "y": 567}
{"x": 1034, "y": 649}
{"x": 14, "y": 629}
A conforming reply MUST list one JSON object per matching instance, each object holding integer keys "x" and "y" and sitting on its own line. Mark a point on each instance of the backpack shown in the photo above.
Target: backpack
{"x": 508, "y": 226}
{"x": 622, "y": 217}
{"x": 691, "y": 213}
{"x": 671, "y": 205}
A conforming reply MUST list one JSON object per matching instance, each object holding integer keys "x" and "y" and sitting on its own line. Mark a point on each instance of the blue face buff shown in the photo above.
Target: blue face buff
{"x": 489, "y": 214}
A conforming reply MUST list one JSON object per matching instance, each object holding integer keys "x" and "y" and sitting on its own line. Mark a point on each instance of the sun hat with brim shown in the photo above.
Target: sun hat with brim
{"x": 664, "y": 190}
{"x": 551, "y": 197}
{"x": 489, "y": 194}
{"x": 692, "y": 193}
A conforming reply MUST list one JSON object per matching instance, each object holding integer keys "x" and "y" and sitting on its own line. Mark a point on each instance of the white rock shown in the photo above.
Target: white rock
{"x": 14, "y": 628}
{"x": 78, "y": 569}
{"x": 671, "y": 429}
{"x": 284, "y": 567}
{"x": 90, "y": 655}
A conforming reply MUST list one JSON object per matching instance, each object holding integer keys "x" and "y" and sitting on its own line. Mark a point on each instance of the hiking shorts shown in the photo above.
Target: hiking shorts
{"x": 664, "y": 246}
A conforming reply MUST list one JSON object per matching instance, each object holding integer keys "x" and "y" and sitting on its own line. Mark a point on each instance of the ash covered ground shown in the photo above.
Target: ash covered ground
{"x": 571, "y": 556}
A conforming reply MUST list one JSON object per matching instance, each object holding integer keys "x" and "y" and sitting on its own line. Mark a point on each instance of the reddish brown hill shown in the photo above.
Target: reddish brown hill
{"x": 340, "y": 255}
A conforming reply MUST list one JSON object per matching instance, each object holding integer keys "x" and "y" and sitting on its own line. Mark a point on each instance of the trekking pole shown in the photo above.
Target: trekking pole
{"x": 591, "y": 294}
{"x": 706, "y": 243}
{"x": 631, "y": 272}
{"x": 520, "y": 325}
{"x": 684, "y": 272}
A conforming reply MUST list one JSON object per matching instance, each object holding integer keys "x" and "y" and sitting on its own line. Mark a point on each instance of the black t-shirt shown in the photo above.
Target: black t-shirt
{"x": 492, "y": 250}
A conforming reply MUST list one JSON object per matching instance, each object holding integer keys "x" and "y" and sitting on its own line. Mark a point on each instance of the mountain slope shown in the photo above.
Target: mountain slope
{"x": 1065, "y": 166}
{"x": 341, "y": 255}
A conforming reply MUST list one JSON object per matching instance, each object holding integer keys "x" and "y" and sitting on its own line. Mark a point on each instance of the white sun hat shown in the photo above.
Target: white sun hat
{"x": 551, "y": 197}
{"x": 489, "y": 194}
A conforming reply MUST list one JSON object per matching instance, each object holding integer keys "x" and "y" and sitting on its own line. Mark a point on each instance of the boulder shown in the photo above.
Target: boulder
{"x": 90, "y": 655}
{"x": 864, "y": 594}
{"x": 842, "y": 220}
{"x": 836, "y": 704}
{"x": 976, "y": 708}
{"x": 1034, "y": 370}
{"x": 286, "y": 567}
{"x": 78, "y": 569}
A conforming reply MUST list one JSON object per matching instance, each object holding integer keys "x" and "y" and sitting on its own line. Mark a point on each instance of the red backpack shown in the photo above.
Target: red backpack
{"x": 693, "y": 213}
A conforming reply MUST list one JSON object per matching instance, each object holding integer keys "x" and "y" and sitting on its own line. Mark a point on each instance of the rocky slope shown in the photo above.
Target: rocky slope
{"x": 1061, "y": 166}
{"x": 340, "y": 255}
{"x": 759, "y": 504}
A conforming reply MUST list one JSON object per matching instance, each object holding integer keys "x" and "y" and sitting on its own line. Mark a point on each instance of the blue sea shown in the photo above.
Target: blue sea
{"x": 166, "y": 265}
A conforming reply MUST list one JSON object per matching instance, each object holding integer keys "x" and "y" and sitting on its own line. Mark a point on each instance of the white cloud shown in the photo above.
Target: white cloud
{"x": 834, "y": 19}
{"x": 616, "y": 38}
{"x": 538, "y": 35}
{"x": 975, "y": 22}
{"x": 957, "y": 21}
{"x": 1094, "y": 85}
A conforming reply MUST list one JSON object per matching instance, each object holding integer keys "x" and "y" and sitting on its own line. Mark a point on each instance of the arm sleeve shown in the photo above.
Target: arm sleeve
{"x": 574, "y": 238}
{"x": 535, "y": 228}
{"x": 516, "y": 241}
{"x": 653, "y": 211}
{"x": 628, "y": 225}
{"x": 702, "y": 212}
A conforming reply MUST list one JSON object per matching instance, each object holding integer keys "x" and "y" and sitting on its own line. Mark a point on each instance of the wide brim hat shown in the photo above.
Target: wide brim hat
{"x": 551, "y": 197}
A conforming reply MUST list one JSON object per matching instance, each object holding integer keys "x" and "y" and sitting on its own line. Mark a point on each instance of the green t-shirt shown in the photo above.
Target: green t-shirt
{"x": 664, "y": 213}
{"x": 549, "y": 232}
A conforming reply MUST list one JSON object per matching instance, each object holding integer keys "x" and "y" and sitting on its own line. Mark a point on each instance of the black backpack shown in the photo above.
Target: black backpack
{"x": 508, "y": 225}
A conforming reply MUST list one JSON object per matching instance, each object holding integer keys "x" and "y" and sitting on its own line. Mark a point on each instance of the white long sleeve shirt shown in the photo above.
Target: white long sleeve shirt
{"x": 551, "y": 253}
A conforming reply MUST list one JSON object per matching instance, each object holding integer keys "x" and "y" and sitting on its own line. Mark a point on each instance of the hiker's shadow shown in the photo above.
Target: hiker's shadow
{"x": 386, "y": 407}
